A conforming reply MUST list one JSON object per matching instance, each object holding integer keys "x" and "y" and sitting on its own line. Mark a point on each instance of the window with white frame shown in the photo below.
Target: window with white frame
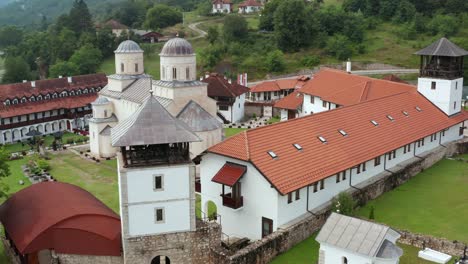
{"x": 158, "y": 183}
{"x": 159, "y": 215}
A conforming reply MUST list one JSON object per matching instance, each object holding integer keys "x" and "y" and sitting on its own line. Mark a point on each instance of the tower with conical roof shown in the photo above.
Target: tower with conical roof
{"x": 441, "y": 75}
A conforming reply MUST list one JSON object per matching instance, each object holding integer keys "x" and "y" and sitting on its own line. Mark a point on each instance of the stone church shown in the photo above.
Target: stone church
{"x": 178, "y": 91}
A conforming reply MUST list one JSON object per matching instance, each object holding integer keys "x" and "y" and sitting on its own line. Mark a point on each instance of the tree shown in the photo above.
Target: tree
{"x": 268, "y": 15}
{"x": 339, "y": 46}
{"x": 66, "y": 44}
{"x": 213, "y": 34}
{"x": 344, "y": 204}
{"x": 130, "y": 13}
{"x": 275, "y": 61}
{"x": 64, "y": 68}
{"x": 161, "y": 16}
{"x": 87, "y": 58}
{"x": 405, "y": 12}
{"x": 4, "y": 171}
{"x": 10, "y": 36}
{"x": 204, "y": 8}
{"x": 106, "y": 42}
{"x": 293, "y": 22}
{"x": 235, "y": 28}
{"x": 79, "y": 18}
{"x": 445, "y": 25}
{"x": 16, "y": 70}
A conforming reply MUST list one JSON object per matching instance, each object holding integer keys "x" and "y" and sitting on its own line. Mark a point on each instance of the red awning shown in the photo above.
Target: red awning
{"x": 229, "y": 174}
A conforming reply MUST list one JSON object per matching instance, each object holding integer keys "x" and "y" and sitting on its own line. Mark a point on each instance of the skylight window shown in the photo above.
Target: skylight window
{"x": 322, "y": 139}
{"x": 405, "y": 113}
{"x": 343, "y": 133}
{"x": 418, "y": 109}
{"x": 390, "y": 118}
{"x": 297, "y": 146}
{"x": 374, "y": 123}
{"x": 272, "y": 154}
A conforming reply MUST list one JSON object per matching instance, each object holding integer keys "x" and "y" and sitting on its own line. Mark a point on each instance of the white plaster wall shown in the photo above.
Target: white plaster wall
{"x": 123, "y": 108}
{"x": 129, "y": 60}
{"x": 444, "y": 95}
{"x": 260, "y": 200}
{"x": 182, "y": 95}
{"x": 226, "y": 113}
{"x": 284, "y": 114}
{"x": 316, "y": 107}
{"x": 100, "y": 109}
{"x": 117, "y": 85}
{"x": 106, "y": 149}
{"x": 238, "y": 108}
{"x": 181, "y": 63}
{"x": 209, "y": 138}
{"x": 333, "y": 255}
{"x": 322, "y": 196}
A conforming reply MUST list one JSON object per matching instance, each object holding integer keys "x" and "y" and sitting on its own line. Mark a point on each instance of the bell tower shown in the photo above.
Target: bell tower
{"x": 441, "y": 75}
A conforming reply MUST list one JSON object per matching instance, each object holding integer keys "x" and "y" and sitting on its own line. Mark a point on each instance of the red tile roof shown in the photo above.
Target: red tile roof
{"x": 113, "y": 24}
{"x": 295, "y": 169}
{"x": 342, "y": 88}
{"x": 250, "y": 3}
{"x": 221, "y": 2}
{"x": 63, "y": 217}
{"x": 220, "y": 87}
{"x": 18, "y": 90}
{"x": 278, "y": 85}
{"x": 70, "y": 102}
{"x": 291, "y": 102}
{"x": 229, "y": 174}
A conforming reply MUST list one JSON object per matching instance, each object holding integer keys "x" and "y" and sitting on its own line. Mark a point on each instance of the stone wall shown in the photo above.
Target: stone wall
{"x": 453, "y": 248}
{"x": 266, "y": 249}
{"x": 80, "y": 259}
{"x": 183, "y": 247}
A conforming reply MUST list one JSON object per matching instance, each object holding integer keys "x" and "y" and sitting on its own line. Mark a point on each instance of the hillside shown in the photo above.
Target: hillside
{"x": 30, "y": 12}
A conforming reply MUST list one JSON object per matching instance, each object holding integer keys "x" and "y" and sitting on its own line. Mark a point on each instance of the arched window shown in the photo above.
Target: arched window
{"x": 92, "y": 90}
{"x": 39, "y": 97}
{"x": 344, "y": 260}
{"x": 15, "y": 101}
{"x": 78, "y": 92}
{"x": 105, "y": 113}
{"x": 187, "y": 73}
{"x": 136, "y": 67}
{"x": 54, "y": 95}
{"x": 32, "y": 99}
{"x": 47, "y": 97}
{"x": 122, "y": 67}
{"x": 7, "y": 102}
{"x": 174, "y": 73}
{"x": 72, "y": 93}
{"x": 24, "y": 100}
{"x": 85, "y": 91}
{"x": 63, "y": 94}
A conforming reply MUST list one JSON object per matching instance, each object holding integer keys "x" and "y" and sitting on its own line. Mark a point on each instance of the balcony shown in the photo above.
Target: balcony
{"x": 46, "y": 119}
{"x": 234, "y": 203}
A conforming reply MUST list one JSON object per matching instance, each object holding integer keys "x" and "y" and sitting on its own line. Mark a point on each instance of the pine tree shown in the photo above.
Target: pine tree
{"x": 79, "y": 18}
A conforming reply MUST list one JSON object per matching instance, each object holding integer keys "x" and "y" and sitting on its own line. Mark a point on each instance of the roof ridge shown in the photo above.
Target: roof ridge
{"x": 247, "y": 144}
{"x": 365, "y": 91}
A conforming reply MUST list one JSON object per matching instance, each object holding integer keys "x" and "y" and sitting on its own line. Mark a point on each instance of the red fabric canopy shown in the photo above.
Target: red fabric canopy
{"x": 63, "y": 217}
{"x": 229, "y": 174}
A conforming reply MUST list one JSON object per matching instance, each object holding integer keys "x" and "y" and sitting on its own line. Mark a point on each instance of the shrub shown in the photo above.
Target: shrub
{"x": 371, "y": 213}
{"x": 70, "y": 141}
{"x": 310, "y": 61}
{"x": 339, "y": 46}
{"x": 344, "y": 204}
{"x": 275, "y": 61}
{"x": 43, "y": 165}
{"x": 23, "y": 153}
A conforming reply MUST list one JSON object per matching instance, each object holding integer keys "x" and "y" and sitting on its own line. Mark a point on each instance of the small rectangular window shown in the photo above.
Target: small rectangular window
{"x": 297, "y": 146}
{"x": 409, "y": 147}
{"x": 338, "y": 178}
{"x": 159, "y": 215}
{"x": 343, "y": 175}
{"x": 390, "y": 118}
{"x": 272, "y": 154}
{"x": 298, "y": 195}
{"x": 158, "y": 183}
{"x": 418, "y": 109}
{"x": 433, "y": 85}
{"x": 187, "y": 73}
{"x": 394, "y": 153}
{"x": 315, "y": 187}
{"x": 223, "y": 108}
{"x": 322, "y": 139}
{"x": 136, "y": 67}
{"x": 363, "y": 166}
{"x": 374, "y": 123}
{"x": 322, "y": 184}
{"x": 312, "y": 99}
{"x": 405, "y": 113}
{"x": 343, "y": 133}
{"x": 456, "y": 85}
{"x": 454, "y": 105}
{"x": 377, "y": 161}
{"x": 358, "y": 169}
{"x": 443, "y": 133}
{"x": 289, "y": 198}
{"x": 324, "y": 104}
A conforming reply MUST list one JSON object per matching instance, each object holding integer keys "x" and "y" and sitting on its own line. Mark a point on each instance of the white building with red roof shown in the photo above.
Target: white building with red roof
{"x": 222, "y": 6}
{"x": 47, "y": 106}
{"x": 267, "y": 178}
{"x": 250, "y": 6}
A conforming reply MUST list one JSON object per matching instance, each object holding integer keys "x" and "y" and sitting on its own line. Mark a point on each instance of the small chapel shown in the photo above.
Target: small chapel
{"x": 178, "y": 91}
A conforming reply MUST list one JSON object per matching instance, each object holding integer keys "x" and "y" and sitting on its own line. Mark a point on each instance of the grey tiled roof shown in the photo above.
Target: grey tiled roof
{"x": 389, "y": 250}
{"x": 100, "y": 100}
{"x": 197, "y": 118}
{"x": 353, "y": 234}
{"x": 110, "y": 119}
{"x": 175, "y": 84}
{"x": 136, "y": 92}
{"x": 128, "y": 76}
{"x": 443, "y": 47}
{"x": 177, "y": 47}
{"x": 128, "y": 46}
{"x": 106, "y": 131}
{"x": 151, "y": 124}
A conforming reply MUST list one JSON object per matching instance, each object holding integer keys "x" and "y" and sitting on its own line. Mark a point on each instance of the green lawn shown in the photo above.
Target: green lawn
{"x": 229, "y": 132}
{"x": 306, "y": 252}
{"x": 435, "y": 202}
{"x": 199, "y": 208}
{"x": 18, "y": 147}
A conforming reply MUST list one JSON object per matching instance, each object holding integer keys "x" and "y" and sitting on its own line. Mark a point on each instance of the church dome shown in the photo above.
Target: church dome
{"x": 101, "y": 100}
{"x": 177, "y": 47}
{"x": 128, "y": 46}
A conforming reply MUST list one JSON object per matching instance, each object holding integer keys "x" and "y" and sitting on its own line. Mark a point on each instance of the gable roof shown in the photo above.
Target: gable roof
{"x": 151, "y": 124}
{"x": 342, "y": 88}
{"x": 113, "y": 24}
{"x": 229, "y": 174}
{"x": 355, "y": 235}
{"x": 291, "y": 102}
{"x": 218, "y": 86}
{"x": 294, "y": 169}
{"x": 250, "y": 3}
{"x": 197, "y": 118}
{"x": 281, "y": 84}
{"x": 443, "y": 47}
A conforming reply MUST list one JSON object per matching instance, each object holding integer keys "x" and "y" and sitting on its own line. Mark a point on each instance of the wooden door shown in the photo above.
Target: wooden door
{"x": 291, "y": 114}
{"x": 33, "y": 258}
{"x": 267, "y": 226}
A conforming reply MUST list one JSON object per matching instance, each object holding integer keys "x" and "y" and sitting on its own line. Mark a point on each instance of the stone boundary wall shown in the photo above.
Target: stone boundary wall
{"x": 446, "y": 246}
{"x": 266, "y": 249}
{"x": 81, "y": 259}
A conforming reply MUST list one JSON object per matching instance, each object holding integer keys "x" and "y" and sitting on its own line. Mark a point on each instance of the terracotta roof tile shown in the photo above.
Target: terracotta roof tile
{"x": 218, "y": 86}
{"x": 229, "y": 174}
{"x": 292, "y": 102}
{"x": 295, "y": 169}
{"x": 250, "y": 3}
{"x": 278, "y": 85}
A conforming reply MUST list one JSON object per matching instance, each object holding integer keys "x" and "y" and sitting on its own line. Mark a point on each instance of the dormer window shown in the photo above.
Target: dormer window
{"x": 24, "y": 100}
{"x": 54, "y": 95}
{"x": 390, "y": 118}
{"x": 15, "y": 101}
{"x": 39, "y": 97}
{"x": 405, "y": 113}
{"x": 85, "y": 91}
{"x": 322, "y": 139}
{"x": 297, "y": 146}
{"x": 7, "y": 102}
{"x": 72, "y": 93}
{"x": 78, "y": 92}
{"x": 374, "y": 122}
{"x": 272, "y": 154}
{"x": 32, "y": 99}
{"x": 47, "y": 97}
{"x": 418, "y": 109}
{"x": 343, "y": 133}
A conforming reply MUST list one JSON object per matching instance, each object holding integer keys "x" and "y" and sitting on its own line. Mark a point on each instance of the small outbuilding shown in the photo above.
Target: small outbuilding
{"x": 345, "y": 239}
{"x": 53, "y": 220}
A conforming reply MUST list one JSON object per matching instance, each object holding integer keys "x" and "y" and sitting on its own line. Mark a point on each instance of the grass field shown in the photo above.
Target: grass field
{"x": 307, "y": 252}
{"x": 435, "y": 202}
{"x": 18, "y": 147}
{"x": 229, "y": 132}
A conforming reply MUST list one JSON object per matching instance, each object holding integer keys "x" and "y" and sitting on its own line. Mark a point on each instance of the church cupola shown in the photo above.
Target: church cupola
{"x": 441, "y": 75}
{"x": 178, "y": 61}
{"x": 129, "y": 59}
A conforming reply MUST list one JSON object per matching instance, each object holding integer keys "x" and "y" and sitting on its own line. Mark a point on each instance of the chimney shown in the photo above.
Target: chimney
{"x": 33, "y": 84}
{"x": 348, "y": 66}
{"x": 60, "y": 76}
{"x": 70, "y": 79}
{"x": 25, "y": 81}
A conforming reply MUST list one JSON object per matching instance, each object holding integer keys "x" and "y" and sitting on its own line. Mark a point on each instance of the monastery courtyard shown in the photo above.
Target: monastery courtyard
{"x": 425, "y": 190}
